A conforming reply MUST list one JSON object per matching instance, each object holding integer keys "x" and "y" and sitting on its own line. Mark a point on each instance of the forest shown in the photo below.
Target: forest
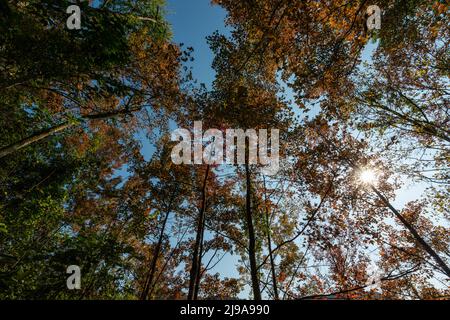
{"x": 355, "y": 101}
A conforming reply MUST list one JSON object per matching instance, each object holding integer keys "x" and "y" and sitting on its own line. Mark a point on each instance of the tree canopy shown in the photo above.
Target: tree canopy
{"x": 360, "y": 113}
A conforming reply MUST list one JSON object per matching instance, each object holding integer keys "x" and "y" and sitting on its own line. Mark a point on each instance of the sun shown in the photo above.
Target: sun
{"x": 368, "y": 176}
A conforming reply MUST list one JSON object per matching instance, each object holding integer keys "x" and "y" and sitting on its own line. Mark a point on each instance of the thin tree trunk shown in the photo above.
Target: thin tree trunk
{"x": 272, "y": 266}
{"x": 32, "y": 139}
{"x": 44, "y": 134}
{"x": 269, "y": 244}
{"x": 251, "y": 231}
{"x": 163, "y": 268}
{"x": 151, "y": 273}
{"x": 196, "y": 259}
{"x": 410, "y": 228}
{"x": 414, "y": 232}
{"x": 199, "y": 268}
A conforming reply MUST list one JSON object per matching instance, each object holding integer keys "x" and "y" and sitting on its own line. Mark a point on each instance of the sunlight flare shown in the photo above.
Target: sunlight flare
{"x": 368, "y": 176}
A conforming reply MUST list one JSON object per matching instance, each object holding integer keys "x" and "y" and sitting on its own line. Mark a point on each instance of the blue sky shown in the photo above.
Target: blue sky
{"x": 192, "y": 21}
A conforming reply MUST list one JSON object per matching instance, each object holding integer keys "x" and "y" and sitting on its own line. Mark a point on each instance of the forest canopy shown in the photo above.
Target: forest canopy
{"x": 354, "y": 114}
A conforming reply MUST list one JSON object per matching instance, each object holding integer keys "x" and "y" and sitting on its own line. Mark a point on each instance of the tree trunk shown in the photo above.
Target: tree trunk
{"x": 199, "y": 268}
{"x": 269, "y": 244}
{"x": 272, "y": 267}
{"x": 44, "y": 134}
{"x": 151, "y": 273}
{"x": 34, "y": 138}
{"x": 414, "y": 232}
{"x": 251, "y": 231}
{"x": 196, "y": 259}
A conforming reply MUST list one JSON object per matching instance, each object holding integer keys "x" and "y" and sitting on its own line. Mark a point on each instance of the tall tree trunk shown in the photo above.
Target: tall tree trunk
{"x": 55, "y": 129}
{"x": 199, "y": 268}
{"x": 269, "y": 244}
{"x": 196, "y": 259}
{"x": 251, "y": 231}
{"x": 152, "y": 270}
{"x": 408, "y": 226}
{"x": 415, "y": 234}
{"x": 32, "y": 139}
{"x": 272, "y": 265}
